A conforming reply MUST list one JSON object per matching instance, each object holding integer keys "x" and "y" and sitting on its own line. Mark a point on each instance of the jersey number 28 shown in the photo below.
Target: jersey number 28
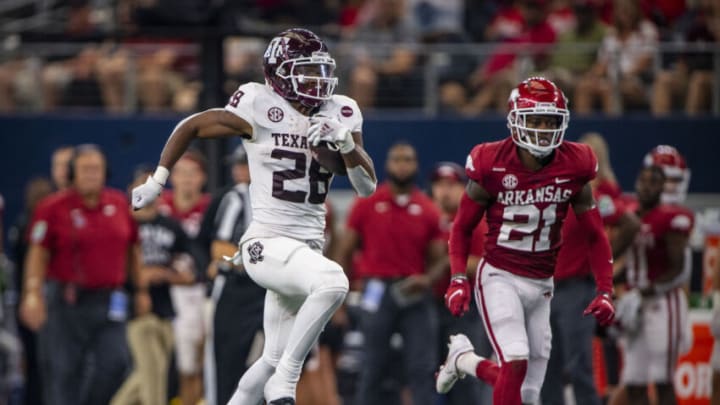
{"x": 536, "y": 235}
{"x": 319, "y": 181}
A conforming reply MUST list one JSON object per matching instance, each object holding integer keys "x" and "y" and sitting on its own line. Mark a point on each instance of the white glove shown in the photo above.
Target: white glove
{"x": 330, "y": 130}
{"x": 146, "y": 193}
{"x": 627, "y": 312}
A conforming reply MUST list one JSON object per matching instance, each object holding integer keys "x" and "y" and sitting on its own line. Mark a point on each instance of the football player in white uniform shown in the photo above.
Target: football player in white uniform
{"x": 281, "y": 122}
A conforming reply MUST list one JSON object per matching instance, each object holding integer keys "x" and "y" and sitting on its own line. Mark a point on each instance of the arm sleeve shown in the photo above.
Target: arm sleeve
{"x": 600, "y": 254}
{"x": 468, "y": 216}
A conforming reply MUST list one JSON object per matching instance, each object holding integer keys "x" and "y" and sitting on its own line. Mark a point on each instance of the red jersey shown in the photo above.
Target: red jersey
{"x": 477, "y": 248}
{"x": 573, "y": 261}
{"x": 395, "y": 234}
{"x": 87, "y": 246}
{"x": 647, "y": 257}
{"x": 528, "y": 207}
{"x": 191, "y": 219}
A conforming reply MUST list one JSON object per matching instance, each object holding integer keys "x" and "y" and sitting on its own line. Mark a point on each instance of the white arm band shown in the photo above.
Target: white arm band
{"x": 161, "y": 175}
{"x": 363, "y": 184}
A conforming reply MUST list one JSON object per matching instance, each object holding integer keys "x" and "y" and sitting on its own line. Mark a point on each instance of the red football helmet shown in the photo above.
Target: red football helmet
{"x": 677, "y": 174}
{"x": 299, "y": 68}
{"x": 537, "y": 96}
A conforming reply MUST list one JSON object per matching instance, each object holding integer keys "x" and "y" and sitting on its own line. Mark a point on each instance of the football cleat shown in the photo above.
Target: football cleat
{"x": 448, "y": 373}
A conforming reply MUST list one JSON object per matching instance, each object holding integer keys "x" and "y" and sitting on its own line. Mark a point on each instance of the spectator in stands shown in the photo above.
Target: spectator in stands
{"x": 624, "y": 63}
{"x": 386, "y": 71}
{"x": 187, "y": 204}
{"x": 397, "y": 233}
{"x": 571, "y": 357}
{"x": 83, "y": 241}
{"x": 59, "y": 167}
{"x": 74, "y": 82}
{"x": 691, "y": 78}
{"x": 237, "y": 316}
{"x": 166, "y": 255}
{"x": 447, "y": 185}
{"x": 35, "y": 190}
{"x": 493, "y": 80}
{"x": 569, "y": 62}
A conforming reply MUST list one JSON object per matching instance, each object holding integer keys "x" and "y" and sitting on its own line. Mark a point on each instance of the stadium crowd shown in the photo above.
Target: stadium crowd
{"x": 609, "y": 56}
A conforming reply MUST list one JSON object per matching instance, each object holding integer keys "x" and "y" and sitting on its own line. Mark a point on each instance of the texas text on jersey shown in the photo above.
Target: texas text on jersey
{"x": 289, "y": 187}
{"x": 530, "y": 206}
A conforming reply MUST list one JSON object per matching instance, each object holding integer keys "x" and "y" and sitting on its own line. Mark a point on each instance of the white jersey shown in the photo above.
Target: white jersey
{"x": 288, "y": 187}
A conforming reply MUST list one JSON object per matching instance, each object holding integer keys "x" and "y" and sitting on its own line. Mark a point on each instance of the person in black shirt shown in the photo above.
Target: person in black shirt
{"x": 166, "y": 261}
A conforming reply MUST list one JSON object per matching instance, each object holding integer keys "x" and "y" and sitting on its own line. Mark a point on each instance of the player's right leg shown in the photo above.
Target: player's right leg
{"x": 503, "y": 315}
{"x": 291, "y": 268}
{"x": 278, "y": 319}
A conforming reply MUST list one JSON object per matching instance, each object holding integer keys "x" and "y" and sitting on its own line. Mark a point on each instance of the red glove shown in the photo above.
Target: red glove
{"x": 602, "y": 309}
{"x": 457, "y": 296}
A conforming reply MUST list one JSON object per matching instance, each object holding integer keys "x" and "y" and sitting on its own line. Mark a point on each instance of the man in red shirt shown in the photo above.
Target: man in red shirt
{"x": 447, "y": 186}
{"x": 83, "y": 243}
{"x": 397, "y": 233}
{"x": 526, "y": 184}
{"x": 186, "y": 203}
{"x": 571, "y": 355}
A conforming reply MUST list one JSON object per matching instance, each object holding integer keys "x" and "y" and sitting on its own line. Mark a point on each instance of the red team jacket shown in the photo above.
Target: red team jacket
{"x": 528, "y": 208}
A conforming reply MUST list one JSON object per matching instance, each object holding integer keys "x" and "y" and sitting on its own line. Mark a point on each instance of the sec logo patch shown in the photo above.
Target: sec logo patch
{"x": 509, "y": 181}
{"x": 275, "y": 114}
{"x": 346, "y": 111}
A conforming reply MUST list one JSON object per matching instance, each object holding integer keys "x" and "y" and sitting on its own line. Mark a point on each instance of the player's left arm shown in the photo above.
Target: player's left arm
{"x": 588, "y": 217}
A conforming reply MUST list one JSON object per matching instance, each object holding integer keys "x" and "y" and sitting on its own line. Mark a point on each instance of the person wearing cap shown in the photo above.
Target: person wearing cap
{"x": 402, "y": 253}
{"x": 447, "y": 185}
{"x": 237, "y": 302}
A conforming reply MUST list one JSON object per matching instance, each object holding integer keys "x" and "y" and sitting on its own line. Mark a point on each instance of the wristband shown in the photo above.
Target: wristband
{"x": 349, "y": 145}
{"x": 161, "y": 175}
{"x": 458, "y": 276}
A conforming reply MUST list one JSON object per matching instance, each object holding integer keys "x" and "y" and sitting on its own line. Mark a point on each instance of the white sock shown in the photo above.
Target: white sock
{"x": 250, "y": 388}
{"x": 467, "y": 363}
{"x": 310, "y": 320}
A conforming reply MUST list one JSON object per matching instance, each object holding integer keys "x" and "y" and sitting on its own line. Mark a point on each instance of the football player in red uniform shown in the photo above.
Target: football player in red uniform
{"x": 654, "y": 264}
{"x": 524, "y": 185}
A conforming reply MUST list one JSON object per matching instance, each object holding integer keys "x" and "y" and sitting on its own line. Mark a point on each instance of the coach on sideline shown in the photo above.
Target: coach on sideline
{"x": 83, "y": 240}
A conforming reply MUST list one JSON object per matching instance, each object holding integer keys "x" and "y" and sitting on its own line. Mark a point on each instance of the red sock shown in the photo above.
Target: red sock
{"x": 487, "y": 371}
{"x": 509, "y": 382}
